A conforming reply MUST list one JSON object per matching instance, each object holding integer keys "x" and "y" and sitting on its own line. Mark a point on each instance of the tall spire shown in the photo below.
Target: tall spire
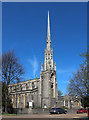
{"x": 48, "y": 35}
{"x": 48, "y": 62}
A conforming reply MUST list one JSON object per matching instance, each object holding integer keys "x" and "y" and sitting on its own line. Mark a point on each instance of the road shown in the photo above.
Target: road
{"x": 46, "y": 117}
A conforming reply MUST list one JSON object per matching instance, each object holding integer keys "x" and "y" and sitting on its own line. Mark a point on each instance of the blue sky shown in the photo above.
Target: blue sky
{"x": 24, "y": 29}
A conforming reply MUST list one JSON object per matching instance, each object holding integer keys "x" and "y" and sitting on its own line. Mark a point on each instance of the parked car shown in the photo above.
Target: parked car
{"x": 82, "y": 110}
{"x": 57, "y": 111}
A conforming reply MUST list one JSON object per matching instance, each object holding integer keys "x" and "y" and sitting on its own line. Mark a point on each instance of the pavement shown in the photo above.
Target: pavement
{"x": 71, "y": 116}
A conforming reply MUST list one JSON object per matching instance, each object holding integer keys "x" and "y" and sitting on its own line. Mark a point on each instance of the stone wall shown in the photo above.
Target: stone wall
{"x": 53, "y": 102}
{"x": 30, "y": 111}
{"x": 45, "y": 91}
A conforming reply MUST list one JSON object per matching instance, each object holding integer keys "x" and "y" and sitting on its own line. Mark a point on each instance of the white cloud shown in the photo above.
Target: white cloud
{"x": 64, "y": 81}
{"x": 69, "y": 71}
{"x": 34, "y": 64}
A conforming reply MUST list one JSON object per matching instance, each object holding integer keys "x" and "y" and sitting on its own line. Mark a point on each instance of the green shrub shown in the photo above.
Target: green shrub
{"x": 38, "y": 107}
{"x": 64, "y": 107}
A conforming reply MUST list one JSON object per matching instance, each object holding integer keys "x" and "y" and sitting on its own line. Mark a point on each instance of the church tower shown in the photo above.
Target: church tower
{"x": 48, "y": 62}
{"x": 48, "y": 85}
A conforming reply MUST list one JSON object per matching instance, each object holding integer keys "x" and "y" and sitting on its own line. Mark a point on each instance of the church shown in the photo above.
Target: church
{"x": 41, "y": 92}
{"x": 38, "y": 92}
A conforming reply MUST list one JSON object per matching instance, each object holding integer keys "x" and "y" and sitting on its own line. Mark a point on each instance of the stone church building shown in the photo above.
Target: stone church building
{"x": 40, "y": 92}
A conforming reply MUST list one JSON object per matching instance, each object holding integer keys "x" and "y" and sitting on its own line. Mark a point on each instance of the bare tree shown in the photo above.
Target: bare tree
{"x": 12, "y": 71}
{"x": 79, "y": 83}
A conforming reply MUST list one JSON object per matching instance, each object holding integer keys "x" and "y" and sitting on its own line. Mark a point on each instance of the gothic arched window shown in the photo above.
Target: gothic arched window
{"x": 33, "y": 85}
{"x": 52, "y": 85}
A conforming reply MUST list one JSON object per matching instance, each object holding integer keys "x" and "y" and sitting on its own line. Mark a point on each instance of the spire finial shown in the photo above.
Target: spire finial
{"x": 36, "y": 76}
{"x": 55, "y": 66}
{"x": 42, "y": 66}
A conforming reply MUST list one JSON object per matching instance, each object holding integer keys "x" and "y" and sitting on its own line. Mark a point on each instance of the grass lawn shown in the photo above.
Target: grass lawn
{"x": 10, "y": 114}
